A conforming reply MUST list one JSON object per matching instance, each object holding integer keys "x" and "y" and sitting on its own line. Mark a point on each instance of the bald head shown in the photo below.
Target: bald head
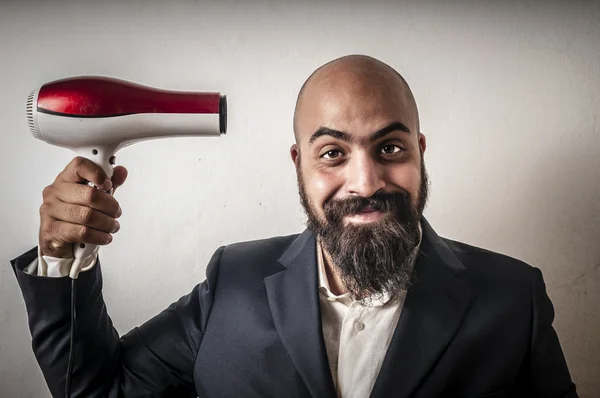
{"x": 356, "y": 76}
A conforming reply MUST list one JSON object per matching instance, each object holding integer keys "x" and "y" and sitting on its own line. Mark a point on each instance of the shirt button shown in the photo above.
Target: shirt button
{"x": 358, "y": 326}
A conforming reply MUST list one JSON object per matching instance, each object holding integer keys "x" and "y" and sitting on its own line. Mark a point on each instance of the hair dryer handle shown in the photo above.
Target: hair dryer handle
{"x": 103, "y": 157}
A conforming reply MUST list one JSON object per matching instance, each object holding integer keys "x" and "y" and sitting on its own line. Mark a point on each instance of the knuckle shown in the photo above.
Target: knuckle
{"x": 47, "y": 246}
{"x": 91, "y": 194}
{"x": 54, "y": 229}
{"x": 45, "y": 211}
{"x": 83, "y": 233}
{"x": 86, "y": 215}
{"x": 79, "y": 162}
{"x": 47, "y": 192}
{"x": 46, "y": 228}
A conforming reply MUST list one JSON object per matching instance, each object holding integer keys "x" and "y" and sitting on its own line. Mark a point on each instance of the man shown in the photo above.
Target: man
{"x": 368, "y": 301}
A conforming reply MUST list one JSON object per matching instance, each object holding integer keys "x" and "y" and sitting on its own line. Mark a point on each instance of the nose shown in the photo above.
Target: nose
{"x": 363, "y": 176}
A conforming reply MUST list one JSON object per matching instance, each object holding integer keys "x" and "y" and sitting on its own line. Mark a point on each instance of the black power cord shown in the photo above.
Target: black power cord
{"x": 71, "y": 343}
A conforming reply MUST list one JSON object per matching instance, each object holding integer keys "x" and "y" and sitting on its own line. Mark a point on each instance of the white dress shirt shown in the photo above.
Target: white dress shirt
{"x": 356, "y": 337}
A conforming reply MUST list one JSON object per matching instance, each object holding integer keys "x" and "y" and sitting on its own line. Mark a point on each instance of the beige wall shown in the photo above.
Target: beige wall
{"x": 509, "y": 94}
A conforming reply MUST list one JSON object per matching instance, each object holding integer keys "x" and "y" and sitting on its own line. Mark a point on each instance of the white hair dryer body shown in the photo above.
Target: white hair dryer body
{"x": 96, "y": 116}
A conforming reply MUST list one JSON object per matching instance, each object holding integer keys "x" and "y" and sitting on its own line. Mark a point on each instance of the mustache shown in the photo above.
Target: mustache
{"x": 380, "y": 201}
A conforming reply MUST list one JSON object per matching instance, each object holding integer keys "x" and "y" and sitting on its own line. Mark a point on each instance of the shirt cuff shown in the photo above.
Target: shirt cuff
{"x": 56, "y": 267}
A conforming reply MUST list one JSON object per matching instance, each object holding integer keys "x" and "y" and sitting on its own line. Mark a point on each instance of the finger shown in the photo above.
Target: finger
{"x": 82, "y": 170}
{"x": 85, "y": 195}
{"x": 119, "y": 176}
{"x": 49, "y": 244}
{"x": 74, "y": 233}
{"x": 82, "y": 215}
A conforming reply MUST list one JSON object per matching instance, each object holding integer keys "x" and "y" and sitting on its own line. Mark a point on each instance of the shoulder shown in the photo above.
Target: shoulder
{"x": 266, "y": 248}
{"x": 254, "y": 259}
{"x": 505, "y": 290}
{"x": 478, "y": 257}
{"x": 487, "y": 268}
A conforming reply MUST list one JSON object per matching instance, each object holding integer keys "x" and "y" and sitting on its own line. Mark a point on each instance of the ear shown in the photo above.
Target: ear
{"x": 422, "y": 142}
{"x": 295, "y": 153}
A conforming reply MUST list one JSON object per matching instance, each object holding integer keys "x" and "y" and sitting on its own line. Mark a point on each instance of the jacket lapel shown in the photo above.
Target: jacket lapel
{"x": 294, "y": 302}
{"x": 432, "y": 312}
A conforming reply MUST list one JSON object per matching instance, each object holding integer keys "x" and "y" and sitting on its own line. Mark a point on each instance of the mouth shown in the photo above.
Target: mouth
{"x": 365, "y": 215}
{"x": 367, "y": 209}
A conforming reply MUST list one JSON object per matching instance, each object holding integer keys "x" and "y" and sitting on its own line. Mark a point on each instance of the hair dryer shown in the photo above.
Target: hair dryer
{"x": 96, "y": 116}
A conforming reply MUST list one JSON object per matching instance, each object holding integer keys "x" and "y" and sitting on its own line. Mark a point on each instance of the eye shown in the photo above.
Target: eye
{"x": 331, "y": 154}
{"x": 390, "y": 149}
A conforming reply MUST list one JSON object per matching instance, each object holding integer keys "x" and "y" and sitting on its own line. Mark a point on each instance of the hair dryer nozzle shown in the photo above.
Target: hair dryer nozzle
{"x": 223, "y": 114}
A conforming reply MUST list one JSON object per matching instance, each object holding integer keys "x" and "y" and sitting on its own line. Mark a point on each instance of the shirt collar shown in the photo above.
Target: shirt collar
{"x": 345, "y": 298}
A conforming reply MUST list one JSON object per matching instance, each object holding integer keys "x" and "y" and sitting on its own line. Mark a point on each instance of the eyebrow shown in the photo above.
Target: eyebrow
{"x": 394, "y": 126}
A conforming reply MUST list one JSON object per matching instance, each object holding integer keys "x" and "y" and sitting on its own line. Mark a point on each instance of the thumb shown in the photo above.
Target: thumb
{"x": 119, "y": 176}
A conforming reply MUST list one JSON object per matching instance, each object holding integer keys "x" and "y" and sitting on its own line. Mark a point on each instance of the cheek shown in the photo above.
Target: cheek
{"x": 321, "y": 186}
{"x": 407, "y": 177}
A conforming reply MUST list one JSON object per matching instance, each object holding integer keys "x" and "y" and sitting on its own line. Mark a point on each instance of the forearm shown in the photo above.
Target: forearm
{"x": 48, "y": 303}
{"x": 156, "y": 359}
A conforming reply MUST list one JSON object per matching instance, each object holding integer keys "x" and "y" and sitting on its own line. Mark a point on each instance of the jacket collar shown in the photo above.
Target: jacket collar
{"x": 433, "y": 310}
{"x": 294, "y": 302}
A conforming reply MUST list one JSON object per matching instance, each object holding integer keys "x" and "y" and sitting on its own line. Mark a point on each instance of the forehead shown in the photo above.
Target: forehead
{"x": 355, "y": 104}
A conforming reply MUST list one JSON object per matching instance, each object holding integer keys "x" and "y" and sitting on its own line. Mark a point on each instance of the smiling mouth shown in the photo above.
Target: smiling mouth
{"x": 367, "y": 214}
{"x": 367, "y": 209}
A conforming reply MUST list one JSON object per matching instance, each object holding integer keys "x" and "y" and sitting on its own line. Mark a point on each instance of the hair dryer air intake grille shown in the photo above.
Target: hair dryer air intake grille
{"x": 30, "y": 121}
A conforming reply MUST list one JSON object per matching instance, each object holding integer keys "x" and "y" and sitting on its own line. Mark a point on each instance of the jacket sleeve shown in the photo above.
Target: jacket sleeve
{"x": 548, "y": 372}
{"x": 155, "y": 359}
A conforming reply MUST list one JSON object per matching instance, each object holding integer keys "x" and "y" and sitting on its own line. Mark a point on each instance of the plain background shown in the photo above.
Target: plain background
{"x": 509, "y": 96}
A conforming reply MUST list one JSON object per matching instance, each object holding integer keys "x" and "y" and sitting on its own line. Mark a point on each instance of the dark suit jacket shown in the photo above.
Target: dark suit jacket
{"x": 476, "y": 324}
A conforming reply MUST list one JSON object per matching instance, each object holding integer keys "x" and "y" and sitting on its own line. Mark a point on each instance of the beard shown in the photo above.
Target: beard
{"x": 373, "y": 259}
